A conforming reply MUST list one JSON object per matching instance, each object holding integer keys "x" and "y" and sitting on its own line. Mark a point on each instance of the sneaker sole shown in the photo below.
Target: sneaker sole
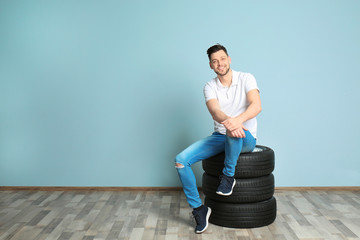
{"x": 227, "y": 194}
{"x": 207, "y": 221}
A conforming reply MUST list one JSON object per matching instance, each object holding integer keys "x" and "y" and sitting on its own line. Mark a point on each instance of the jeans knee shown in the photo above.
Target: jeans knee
{"x": 179, "y": 162}
{"x": 179, "y": 165}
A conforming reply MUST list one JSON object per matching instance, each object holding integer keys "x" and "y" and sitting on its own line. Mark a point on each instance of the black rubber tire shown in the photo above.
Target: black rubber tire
{"x": 247, "y": 190}
{"x": 249, "y": 215}
{"x": 249, "y": 165}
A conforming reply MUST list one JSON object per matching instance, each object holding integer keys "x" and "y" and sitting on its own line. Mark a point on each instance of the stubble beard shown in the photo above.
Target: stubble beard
{"x": 223, "y": 74}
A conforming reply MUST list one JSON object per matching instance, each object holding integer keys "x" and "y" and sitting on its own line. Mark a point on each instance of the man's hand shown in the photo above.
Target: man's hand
{"x": 235, "y": 127}
{"x": 238, "y": 133}
{"x": 232, "y": 124}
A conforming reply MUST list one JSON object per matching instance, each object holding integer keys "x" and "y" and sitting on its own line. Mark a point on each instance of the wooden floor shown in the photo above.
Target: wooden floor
{"x": 166, "y": 215}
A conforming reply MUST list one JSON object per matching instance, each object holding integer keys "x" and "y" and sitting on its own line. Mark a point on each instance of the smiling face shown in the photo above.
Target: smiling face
{"x": 220, "y": 62}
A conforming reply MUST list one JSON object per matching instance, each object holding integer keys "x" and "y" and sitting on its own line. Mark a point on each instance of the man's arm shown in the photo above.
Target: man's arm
{"x": 215, "y": 110}
{"x": 219, "y": 116}
{"x": 235, "y": 125}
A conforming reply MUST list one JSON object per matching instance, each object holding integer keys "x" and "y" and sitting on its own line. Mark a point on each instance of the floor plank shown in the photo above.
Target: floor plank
{"x": 165, "y": 215}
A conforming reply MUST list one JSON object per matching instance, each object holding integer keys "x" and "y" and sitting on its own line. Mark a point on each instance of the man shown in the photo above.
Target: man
{"x": 233, "y": 101}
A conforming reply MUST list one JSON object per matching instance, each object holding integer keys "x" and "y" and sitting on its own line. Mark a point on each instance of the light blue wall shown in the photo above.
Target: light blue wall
{"x": 106, "y": 93}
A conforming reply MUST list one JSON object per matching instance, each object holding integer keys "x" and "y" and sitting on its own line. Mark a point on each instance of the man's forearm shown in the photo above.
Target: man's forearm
{"x": 216, "y": 113}
{"x": 219, "y": 116}
{"x": 254, "y": 107}
{"x": 252, "y": 111}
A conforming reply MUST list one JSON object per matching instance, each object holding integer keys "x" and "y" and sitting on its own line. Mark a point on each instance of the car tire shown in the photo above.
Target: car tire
{"x": 246, "y": 190}
{"x": 260, "y": 162}
{"x": 250, "y": 215}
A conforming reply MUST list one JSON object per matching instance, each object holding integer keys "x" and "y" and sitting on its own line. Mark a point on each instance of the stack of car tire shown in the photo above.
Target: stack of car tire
{"x": 252, "y": 203}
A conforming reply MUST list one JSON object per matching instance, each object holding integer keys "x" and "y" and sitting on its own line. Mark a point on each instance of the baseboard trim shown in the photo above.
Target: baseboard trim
{"x": 329, "y": 188}
{"x": 69, "y": 188}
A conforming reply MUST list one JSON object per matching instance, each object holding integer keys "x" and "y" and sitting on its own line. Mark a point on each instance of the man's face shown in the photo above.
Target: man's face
{"x": 220, "y": 63}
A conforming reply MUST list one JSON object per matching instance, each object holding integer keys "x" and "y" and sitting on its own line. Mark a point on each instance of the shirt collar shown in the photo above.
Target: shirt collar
{"x": 234, "y": 82}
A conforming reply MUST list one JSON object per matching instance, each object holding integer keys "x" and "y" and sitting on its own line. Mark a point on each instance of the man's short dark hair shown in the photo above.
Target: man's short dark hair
{"x": 216, "y": 48}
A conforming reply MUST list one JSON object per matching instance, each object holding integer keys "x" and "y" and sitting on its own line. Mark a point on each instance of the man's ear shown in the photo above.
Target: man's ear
{"x": 229, "y": 60}
{"x": 210, "y": 65}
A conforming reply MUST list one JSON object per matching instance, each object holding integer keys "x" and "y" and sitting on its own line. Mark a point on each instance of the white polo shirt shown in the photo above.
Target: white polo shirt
{"x": 232, "y": 99}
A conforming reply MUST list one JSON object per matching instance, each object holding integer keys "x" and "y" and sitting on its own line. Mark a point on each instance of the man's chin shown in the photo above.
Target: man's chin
{"x": 222, "y": 74}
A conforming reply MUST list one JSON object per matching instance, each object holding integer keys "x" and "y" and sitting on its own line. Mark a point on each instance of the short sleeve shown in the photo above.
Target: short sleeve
{"x": 209, "y": 92}
{"x": 250, "y": 83}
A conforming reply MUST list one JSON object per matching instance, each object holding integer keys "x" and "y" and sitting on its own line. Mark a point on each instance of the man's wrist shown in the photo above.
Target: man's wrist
{"x": 240, "y": 120}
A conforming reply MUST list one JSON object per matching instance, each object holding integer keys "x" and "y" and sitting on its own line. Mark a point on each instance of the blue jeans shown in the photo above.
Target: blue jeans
{"x": 205, "y": 148}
